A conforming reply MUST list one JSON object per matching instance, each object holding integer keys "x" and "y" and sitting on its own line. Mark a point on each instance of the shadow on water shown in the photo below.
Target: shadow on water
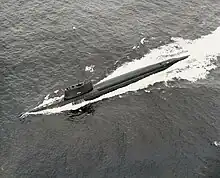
{"x": 78, "y": 115}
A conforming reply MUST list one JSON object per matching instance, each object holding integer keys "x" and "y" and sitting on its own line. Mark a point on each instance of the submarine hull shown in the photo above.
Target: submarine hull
{"x": 110, "y": 85}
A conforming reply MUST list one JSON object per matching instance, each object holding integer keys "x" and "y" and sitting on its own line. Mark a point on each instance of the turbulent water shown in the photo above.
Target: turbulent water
{"x": 166, "y": 125}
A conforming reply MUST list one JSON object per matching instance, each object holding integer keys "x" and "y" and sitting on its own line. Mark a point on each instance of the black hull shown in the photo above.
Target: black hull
{"x": 115, "y": 83}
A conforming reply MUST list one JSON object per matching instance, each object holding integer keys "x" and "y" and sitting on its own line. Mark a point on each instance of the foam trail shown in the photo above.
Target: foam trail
{"x": 202, "y": 51}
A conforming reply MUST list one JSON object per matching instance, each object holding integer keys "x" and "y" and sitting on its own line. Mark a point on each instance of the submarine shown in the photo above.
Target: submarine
{"x": 85, "y": 91}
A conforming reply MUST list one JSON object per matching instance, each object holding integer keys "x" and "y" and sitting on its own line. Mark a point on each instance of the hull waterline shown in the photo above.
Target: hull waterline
{"x": 110, "y": 85}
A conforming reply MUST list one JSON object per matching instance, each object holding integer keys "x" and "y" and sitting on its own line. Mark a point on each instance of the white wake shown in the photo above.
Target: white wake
{"x": 203, "y": 52}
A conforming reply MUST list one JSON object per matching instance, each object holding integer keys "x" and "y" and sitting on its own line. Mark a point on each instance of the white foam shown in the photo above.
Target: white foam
{"x": 49, "y": 101}
{"x": 116, "y": 62}
{"x": 142, "y": 40}
{"x": 90, "y": 68}
{"x": 46, "y": 97}
{"x": 216, "y": 143}
{"x": 202, "y": 52}
{"x": 56, "y": 91}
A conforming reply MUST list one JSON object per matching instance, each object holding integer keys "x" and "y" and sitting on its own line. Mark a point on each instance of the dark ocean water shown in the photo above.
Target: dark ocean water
{"x": 46, "y": 45}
